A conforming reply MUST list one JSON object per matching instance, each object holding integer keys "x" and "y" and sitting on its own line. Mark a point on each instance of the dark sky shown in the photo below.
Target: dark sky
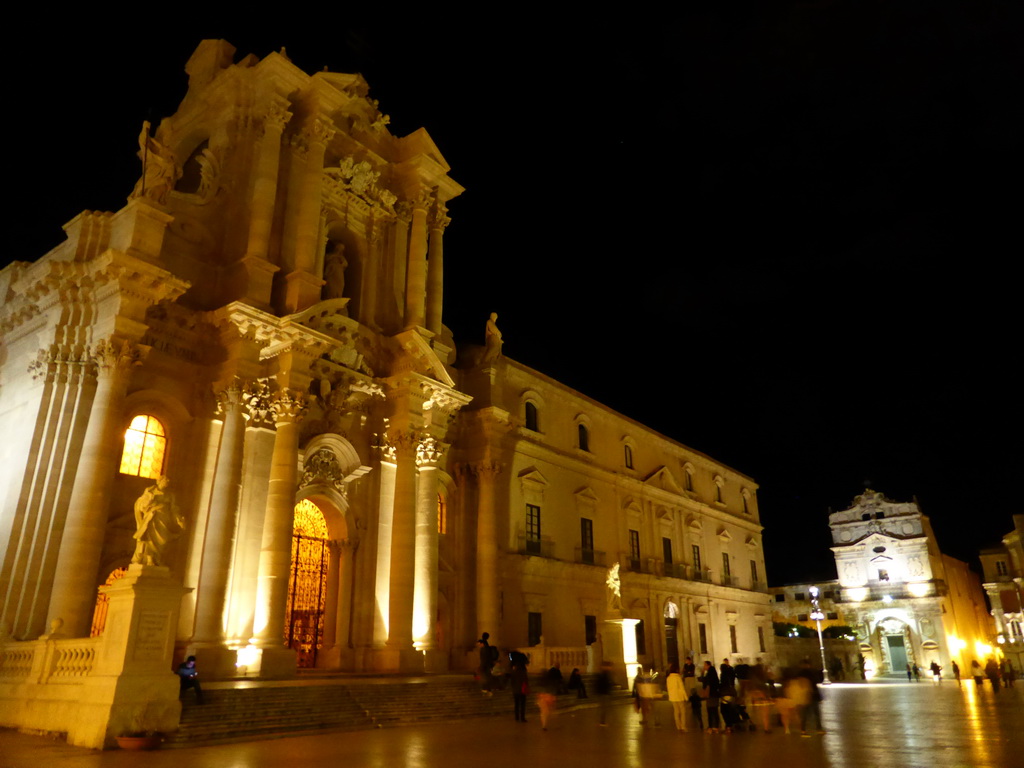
{"x": 787, "y": 238}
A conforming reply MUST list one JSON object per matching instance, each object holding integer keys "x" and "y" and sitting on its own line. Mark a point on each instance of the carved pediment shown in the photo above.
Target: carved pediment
{"x": 533, "y": 476}
{"x": 664, "y": 479}
{"x": 410, "y": 351}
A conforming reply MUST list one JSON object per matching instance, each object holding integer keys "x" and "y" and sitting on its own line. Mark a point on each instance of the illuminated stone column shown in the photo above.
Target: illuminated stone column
{"x": 486, "y": 549}
{"x": 403, "y": 545}
{"x": 371, "y": 279}
{"x": 303, "y": 285}
{"x": 416, "y": 275}
{"x": 331, "y": 596}
{"x": 275, "y": 554}
{"x": 221, "y": 523}
{"x": 385, "y": 512}
{"x": 435, "y": 267}
{"x": 346, "y": 565}
{"x": 260, "y": 271}
{"x": 428, "y": 454}
{"x": 74, "y": 587}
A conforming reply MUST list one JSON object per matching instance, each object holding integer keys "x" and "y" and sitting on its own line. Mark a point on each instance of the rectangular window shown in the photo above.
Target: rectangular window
{"x": 590, "y": 629}
{"x": 533, "y": 529}
{"x": 702, "y": 633}
{"x": 799, "y": 596}
{"x": 1001, "y": 568}
{"x": 641, "y": 639}
{"x": 587, "y": 540}
{"x": 666, "y": 550}
{"x": 753, "y": 571}
{"x": 534, "y": 628}
{"x": 832, "y": 616}
{"x": 801, "y": 617}
{"x": 760, "y": 639}
{"x": 732, "y": 639}
{"x": 634, "y": 549}
{"x": 696, "y": 559}
{"x": 726, "y": 568}
{"x": 780, "y": 598}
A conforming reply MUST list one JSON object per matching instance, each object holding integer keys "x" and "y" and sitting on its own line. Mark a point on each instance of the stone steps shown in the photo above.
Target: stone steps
{"x": 272, "y": 711}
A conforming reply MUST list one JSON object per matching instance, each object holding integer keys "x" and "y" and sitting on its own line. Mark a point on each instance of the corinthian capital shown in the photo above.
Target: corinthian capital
{"x": 230, "y": 396}
{"x": 429, "y": 452}
{"x": 116, "y": 357}
{"x": 277, "y": 117}
{"x": 320, "y": 131}
{"x": 258, "y": 405}
{"x": 288, "y": 406}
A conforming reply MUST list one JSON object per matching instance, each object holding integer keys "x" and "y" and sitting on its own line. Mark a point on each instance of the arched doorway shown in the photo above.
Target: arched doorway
{"x": 671, "y": 633}
{"x": 307, "y": 583}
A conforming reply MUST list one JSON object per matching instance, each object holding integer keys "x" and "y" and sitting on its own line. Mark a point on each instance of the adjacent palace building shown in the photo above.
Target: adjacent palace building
{"x": 235, "y": 426}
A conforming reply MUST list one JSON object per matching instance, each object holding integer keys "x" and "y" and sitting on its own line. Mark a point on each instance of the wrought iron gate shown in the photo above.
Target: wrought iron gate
{"x": 307, "y": 584}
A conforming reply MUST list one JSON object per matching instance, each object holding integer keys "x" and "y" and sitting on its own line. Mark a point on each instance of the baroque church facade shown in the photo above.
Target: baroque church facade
{"x": 260, "y": 326}
{"x": 907, "y": 601}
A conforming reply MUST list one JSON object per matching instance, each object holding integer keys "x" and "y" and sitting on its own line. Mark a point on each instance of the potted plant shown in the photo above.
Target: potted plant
{"x": 137, "y": 736}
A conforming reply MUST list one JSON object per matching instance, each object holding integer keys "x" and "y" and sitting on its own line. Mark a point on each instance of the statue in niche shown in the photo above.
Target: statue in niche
{"x": 492, "y": 339}
{"x": 160, "y": 171}
{"x": 335, "y": 264}
{"x": 158, "y": 521}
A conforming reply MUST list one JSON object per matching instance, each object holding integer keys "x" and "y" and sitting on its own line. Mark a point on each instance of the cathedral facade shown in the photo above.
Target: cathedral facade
{"x": 242, "y": 380}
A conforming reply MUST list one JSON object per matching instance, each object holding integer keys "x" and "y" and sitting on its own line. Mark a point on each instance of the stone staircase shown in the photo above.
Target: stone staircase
{"x": 273, "y": 710}
{"x": 289, "y": 708}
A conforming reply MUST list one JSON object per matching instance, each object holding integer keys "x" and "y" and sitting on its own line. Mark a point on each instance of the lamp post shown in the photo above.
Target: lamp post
{"x": 817, "y": 616}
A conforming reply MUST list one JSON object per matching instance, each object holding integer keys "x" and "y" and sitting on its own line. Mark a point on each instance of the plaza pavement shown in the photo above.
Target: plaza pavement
{"x": 907, "y": 725}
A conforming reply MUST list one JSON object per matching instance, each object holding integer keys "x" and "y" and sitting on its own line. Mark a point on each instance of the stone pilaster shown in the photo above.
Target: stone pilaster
{"x": 303, "y": 284}
{"x": 416, "y": 274}
{"x": 74, "y": 587}
{"x": 259, "y": 270}
{"x": 435, "y": 267}
{"x": 403, "y": 544}
{"x": 487, "y": 599}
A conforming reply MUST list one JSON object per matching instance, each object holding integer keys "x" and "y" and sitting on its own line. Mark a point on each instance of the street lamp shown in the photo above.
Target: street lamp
{"x": 817, "y": 616}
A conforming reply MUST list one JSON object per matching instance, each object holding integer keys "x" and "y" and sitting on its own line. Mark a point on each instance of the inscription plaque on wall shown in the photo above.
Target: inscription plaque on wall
{"x": 151, "y": 638}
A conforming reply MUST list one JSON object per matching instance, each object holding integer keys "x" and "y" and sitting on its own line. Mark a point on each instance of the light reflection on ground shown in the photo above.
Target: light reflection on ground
{"x": 898, "y": 724}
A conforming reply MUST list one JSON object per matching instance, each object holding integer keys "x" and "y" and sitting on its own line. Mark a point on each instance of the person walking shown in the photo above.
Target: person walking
{"x": 711, "y": 689}
{"x": 677, "y": 697}
{"x": 956, "y": 673}
{"x": 603, "y": 687}
{"x": 519, "y": 681}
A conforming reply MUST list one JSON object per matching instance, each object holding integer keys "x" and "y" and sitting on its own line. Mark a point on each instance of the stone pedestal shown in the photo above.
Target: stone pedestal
{"x": 132, "y": 686}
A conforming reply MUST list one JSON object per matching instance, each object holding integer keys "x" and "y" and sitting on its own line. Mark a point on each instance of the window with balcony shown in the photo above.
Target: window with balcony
{"x": 733, "y": 642}
{"x": 634, "y": 550}
{"x": 534, "y": 628}
{"x": 533, "y": 529}
{"x": 696, "y": 561}
{"x": 666, "y": 551}
{"x": 702, "y": 636}
{"x": 726, "y": 568}
{"x": 587, "y": 540}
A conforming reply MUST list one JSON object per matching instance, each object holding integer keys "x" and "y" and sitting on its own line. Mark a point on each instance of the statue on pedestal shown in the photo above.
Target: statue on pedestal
{"x": 492, "y": 339}
{"x": 158, "y": 522}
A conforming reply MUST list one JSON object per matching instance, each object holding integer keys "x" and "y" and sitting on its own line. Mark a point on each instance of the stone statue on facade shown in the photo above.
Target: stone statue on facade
{"x": 614, "y": 588}
{"x": 492, "y": 339}
{"x": 160, "y": 170}
{"x": 158, "y": 521}
{"x": 335, "y": 264}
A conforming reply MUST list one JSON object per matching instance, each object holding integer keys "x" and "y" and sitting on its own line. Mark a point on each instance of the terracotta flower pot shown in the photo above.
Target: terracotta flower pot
{"x": 136, "y": 743}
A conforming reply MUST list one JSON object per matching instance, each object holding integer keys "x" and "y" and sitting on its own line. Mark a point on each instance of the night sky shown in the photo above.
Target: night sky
{"x": 788, "y": 238}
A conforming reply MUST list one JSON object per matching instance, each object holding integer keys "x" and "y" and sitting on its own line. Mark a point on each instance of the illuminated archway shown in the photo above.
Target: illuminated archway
{"x": 307, "y": 583}
{"x": 99, "y": 614}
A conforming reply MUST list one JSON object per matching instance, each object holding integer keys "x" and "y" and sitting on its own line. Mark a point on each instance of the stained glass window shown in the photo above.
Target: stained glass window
{"x": 144, "y": 446}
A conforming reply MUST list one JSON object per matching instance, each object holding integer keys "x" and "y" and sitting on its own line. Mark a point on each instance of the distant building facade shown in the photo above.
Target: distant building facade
{"x": 1003, "y": 574}
{"x": 907, "y": 601}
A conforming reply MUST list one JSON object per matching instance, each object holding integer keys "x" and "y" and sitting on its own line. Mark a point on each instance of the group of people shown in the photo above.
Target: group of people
{"x": 1003, "y": 674}
{"x": 735, "y": 698}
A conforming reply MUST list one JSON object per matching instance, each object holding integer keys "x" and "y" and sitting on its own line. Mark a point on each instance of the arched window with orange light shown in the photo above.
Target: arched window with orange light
{"x": 145, "y": 445}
